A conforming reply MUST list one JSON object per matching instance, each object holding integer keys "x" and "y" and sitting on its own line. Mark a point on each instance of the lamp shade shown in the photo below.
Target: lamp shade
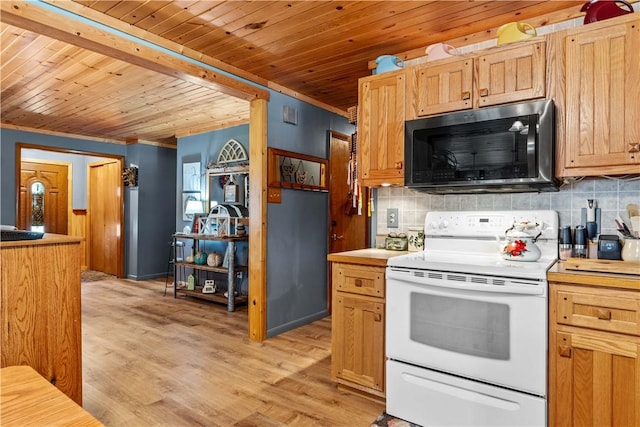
{"x": 193, "y": 207}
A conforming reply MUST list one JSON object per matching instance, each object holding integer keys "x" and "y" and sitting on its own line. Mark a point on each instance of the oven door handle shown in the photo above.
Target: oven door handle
{"x": 442, "y": 280}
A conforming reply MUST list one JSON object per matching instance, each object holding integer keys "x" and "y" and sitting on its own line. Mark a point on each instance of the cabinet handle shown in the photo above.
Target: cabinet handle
{"x": 604, "y": 314}
{"x": 398, "y": 165}
{"x": 483, "y": 92}
{"x": 634, "y": 147}
{"x": 377, "y": 317}
{"x": 358, "y": 283}
{"x": 466, "y": 95}
{"x": 564, "y": 351}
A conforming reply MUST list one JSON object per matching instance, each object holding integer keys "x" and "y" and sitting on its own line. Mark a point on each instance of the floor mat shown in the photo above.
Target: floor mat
{"x": 94, "y": 276}
{"x": 386, "y": 420}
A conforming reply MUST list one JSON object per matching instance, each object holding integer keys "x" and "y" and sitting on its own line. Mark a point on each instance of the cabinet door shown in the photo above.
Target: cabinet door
{"x": 602, "y": 103}
{"x": 41, "y": 313}
{"x": 443, "y": 88}
{"x": 597, "y": 380}
{"x": 357, "y": 350}
{"x": 511, "y": 75}
{"x": 381, "y": 101}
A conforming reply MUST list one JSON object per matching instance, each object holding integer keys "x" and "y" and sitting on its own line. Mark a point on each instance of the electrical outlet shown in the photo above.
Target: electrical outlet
{"x": 392, "y": 218}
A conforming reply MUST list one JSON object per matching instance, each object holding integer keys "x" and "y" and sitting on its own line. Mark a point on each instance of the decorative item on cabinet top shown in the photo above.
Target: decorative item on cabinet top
{"x": 388, "y": 63}
{"x": 440, "y": 51}
{"x": 601, "y": 10}
{"x": 515, "y": 31}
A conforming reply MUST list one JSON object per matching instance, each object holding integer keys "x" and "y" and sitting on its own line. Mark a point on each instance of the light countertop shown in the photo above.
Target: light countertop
{"x": 369, "y": 256}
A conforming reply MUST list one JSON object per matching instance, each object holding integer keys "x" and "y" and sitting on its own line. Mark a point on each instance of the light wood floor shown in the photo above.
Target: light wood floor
{"x": 150, "y": 360}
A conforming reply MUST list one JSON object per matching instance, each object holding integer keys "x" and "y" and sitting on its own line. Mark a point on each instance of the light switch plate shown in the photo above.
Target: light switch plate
{"x": 392, "y": 218}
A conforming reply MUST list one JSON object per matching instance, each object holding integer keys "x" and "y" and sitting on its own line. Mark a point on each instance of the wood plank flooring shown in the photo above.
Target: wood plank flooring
{"x": 150, "y": 360}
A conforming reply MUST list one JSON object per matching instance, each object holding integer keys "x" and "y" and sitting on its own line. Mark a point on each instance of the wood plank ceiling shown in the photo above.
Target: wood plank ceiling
{"x": 315, "y": 50}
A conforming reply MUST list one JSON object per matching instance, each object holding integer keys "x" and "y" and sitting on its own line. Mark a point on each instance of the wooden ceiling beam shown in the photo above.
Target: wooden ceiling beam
{"x": 31, "y": 17}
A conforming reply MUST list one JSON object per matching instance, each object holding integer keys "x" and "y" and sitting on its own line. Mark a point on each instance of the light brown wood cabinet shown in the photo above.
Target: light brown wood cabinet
{"x": 594, "y": 355}
{"x": 40, "y": 284}
{"x": 495, "y": 76}
{"x": 381, "y": 100}
{"x": 599, "y": 106}
{"x": 358, "y": 318}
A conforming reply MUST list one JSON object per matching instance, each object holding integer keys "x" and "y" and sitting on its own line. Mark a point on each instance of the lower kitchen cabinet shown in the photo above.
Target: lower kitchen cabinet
{"x": 594, "y": 348}
{"x": 358, "y": 321}
{"x": 41, "y": 311}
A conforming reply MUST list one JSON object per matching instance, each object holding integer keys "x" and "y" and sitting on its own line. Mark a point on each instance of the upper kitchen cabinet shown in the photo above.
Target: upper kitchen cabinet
{"x": 511, "y": 74}
{"x": 381, "y": 100}
{"x": 599, "y": 106}
{"x": 494, "y": 76}
{"x": 440, "y": 88}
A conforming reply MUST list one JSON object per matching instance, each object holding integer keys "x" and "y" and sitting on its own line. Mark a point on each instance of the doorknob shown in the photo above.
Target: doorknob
{"x": 334, "y": 236}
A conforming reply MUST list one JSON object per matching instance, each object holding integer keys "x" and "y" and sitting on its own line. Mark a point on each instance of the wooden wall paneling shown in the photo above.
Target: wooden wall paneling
{"x": 78, "y": 228}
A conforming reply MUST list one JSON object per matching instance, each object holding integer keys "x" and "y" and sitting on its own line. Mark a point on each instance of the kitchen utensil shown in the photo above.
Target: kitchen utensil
{"x": 515, "y": 31}
{"x": 599, "y": 10}
{"x": 388, "y": 63}
{"x": 635, "y": 225}
{"x": 520, "y": 242}
{"x": 622, "y": 227}
{"x": 633, "y": 210}
{"x": 440, "y": 51}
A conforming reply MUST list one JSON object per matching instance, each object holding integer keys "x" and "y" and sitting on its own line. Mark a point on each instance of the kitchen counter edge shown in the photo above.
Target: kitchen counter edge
{"x": 370, "y": 256}
{"x": 557, "y": 273}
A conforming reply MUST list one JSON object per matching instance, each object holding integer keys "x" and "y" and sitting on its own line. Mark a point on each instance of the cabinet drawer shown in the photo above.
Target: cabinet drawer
{"x": 359, "y": 279}
{"x": 607, "y": 310}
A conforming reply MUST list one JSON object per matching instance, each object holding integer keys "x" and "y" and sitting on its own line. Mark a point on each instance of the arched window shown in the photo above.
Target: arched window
{"x": 37, "y": 206}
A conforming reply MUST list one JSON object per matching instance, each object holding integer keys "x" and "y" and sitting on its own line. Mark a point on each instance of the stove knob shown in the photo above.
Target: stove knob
{"x": 443, "y": 225}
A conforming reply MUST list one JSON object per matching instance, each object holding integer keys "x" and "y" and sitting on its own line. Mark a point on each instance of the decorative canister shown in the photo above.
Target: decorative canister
{"x": 416, "y": 239}
{"x": 631, "y": 249}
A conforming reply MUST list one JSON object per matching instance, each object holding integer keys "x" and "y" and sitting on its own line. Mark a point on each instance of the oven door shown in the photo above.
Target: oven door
{"x": 481, "y": 332}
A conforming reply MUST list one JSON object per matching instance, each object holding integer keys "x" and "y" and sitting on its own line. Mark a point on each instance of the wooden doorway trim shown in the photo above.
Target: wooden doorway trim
{"x": 18, "y": 158}
{"x": 258, "y": 220}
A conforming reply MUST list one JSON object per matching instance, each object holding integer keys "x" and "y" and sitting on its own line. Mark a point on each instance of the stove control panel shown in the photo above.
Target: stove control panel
{"x": 488, "y": 223}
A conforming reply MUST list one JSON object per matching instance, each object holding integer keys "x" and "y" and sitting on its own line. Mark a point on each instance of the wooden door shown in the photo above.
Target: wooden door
{"x": 511, "y": 75}
{"x": 54, "y": 178}
{"x": 602, "y": 103}
{"x": 357, "y": 350}
{"x": 105, "y": 217}
{"x": 348, "y": 230}
{"x": 597, "y": 380}
{"x": 443, "y": 88}
{"x": 381, "y": 103}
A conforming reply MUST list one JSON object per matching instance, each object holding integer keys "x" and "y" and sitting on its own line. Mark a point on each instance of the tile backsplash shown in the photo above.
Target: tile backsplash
{"x": 611, "y": 195}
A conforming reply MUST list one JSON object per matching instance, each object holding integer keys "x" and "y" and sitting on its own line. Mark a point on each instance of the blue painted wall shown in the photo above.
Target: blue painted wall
{"x": 297, "y": 229}
{"x": 149, "y": 209}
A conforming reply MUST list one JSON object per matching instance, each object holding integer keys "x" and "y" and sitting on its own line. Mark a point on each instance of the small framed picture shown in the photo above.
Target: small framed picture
{"x": 231, "y": 193}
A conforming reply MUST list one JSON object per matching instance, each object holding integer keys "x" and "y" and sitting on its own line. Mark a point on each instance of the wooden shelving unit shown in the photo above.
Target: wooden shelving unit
{"x": 230, "y": 300}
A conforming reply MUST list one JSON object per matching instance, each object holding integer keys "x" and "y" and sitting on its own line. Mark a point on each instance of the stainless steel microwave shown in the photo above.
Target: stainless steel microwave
{"x": 501, "y": 149}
